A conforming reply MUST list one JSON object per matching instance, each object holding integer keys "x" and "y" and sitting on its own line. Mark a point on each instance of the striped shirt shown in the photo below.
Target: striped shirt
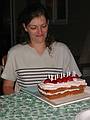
{"x": 27, "y": 67}
{"x": 31, "y": 76}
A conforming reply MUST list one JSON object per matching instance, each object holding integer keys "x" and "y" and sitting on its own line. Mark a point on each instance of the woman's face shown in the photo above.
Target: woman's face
{"x": 37, "y": 29}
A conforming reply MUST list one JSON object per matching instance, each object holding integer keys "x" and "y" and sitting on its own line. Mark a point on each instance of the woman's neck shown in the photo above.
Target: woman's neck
{"x": 39, "y": 47}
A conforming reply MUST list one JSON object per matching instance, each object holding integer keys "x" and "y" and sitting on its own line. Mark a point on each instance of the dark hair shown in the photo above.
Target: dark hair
{"x": 30, "y": 12}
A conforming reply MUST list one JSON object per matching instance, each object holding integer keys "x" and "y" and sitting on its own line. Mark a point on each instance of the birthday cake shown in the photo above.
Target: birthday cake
{"x": 61, "y": 85}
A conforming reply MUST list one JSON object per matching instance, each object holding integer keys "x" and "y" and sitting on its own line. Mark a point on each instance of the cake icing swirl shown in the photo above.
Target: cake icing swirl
{"x": 52, "y": 86}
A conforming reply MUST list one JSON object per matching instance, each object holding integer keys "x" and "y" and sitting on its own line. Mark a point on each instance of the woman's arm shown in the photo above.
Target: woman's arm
{"x": 8, "y": 87}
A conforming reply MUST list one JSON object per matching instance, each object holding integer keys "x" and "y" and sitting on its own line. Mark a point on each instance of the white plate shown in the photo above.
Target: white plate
{"x": 84, "y": 115}
{"x": 33, "y": 90}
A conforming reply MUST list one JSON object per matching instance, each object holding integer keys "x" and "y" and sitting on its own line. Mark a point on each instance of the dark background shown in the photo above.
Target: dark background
{"x": 73, "y": 33}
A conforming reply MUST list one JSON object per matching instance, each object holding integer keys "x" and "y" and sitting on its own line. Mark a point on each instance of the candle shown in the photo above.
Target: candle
{"x": 73, "y": 73}
{"x": 51, "y": 77}
{"x": 67, "y": 74}
{"x": 55, "y": 77}
{"x": 63, "y": 74}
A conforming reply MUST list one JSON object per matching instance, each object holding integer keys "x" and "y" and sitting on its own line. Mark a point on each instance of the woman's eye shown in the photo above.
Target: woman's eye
{"x": 33, "y": 27}
{"x": 44, "y": 25}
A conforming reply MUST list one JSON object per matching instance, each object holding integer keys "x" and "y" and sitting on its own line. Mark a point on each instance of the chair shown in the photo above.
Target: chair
{"x": 4, "y": 58}
{"x": 1, "y": 82}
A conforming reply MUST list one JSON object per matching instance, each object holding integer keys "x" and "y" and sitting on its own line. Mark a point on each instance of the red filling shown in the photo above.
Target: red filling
{"x": 60, "y": 80}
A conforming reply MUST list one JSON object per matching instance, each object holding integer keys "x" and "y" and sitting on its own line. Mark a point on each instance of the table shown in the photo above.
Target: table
{"x": 23, "y": 106}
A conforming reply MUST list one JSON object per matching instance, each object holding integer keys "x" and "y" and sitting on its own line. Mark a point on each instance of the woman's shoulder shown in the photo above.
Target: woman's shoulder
{"x": 17, "y": 48}
{"x": 59, "y": 45}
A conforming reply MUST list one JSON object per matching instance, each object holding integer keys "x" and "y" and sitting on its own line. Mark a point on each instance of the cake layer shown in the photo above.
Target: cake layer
{"x": 60, "y": 90}
{"x": 64, "y": 94}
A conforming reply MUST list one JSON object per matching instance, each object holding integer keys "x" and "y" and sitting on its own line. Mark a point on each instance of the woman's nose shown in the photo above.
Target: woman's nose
{"x": 39, "y": 30}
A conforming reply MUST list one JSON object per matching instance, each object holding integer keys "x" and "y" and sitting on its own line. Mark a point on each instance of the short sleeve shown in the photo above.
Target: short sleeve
{"x": 10, "y": 67}
{"x": 69, "y": 61}
{"x": 65, "y": 58}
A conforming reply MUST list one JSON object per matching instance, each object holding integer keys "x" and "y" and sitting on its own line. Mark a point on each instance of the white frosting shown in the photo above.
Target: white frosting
{"x": 61, "y": 92}
{"x": 52, "y": 86}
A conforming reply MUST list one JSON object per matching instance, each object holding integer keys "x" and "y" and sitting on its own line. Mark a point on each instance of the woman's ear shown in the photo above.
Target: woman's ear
{"x": 24, "y": 27}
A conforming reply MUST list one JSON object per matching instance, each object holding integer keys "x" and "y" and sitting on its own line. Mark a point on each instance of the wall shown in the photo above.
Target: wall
{"x": 74, "y": 33}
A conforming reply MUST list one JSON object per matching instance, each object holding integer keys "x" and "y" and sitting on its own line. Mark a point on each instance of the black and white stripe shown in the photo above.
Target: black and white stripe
{"x": 31, "y": 76}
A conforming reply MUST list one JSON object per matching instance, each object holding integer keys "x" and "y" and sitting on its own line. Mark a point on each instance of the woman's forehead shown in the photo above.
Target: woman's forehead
{"x": 38, "y": 20}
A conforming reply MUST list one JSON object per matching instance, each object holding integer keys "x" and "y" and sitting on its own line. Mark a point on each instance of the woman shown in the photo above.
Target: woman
{"x": 40, "y": 55}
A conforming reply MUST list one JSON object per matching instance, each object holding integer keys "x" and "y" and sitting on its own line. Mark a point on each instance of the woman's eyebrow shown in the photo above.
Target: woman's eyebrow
{"x": 37, "y": 25}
